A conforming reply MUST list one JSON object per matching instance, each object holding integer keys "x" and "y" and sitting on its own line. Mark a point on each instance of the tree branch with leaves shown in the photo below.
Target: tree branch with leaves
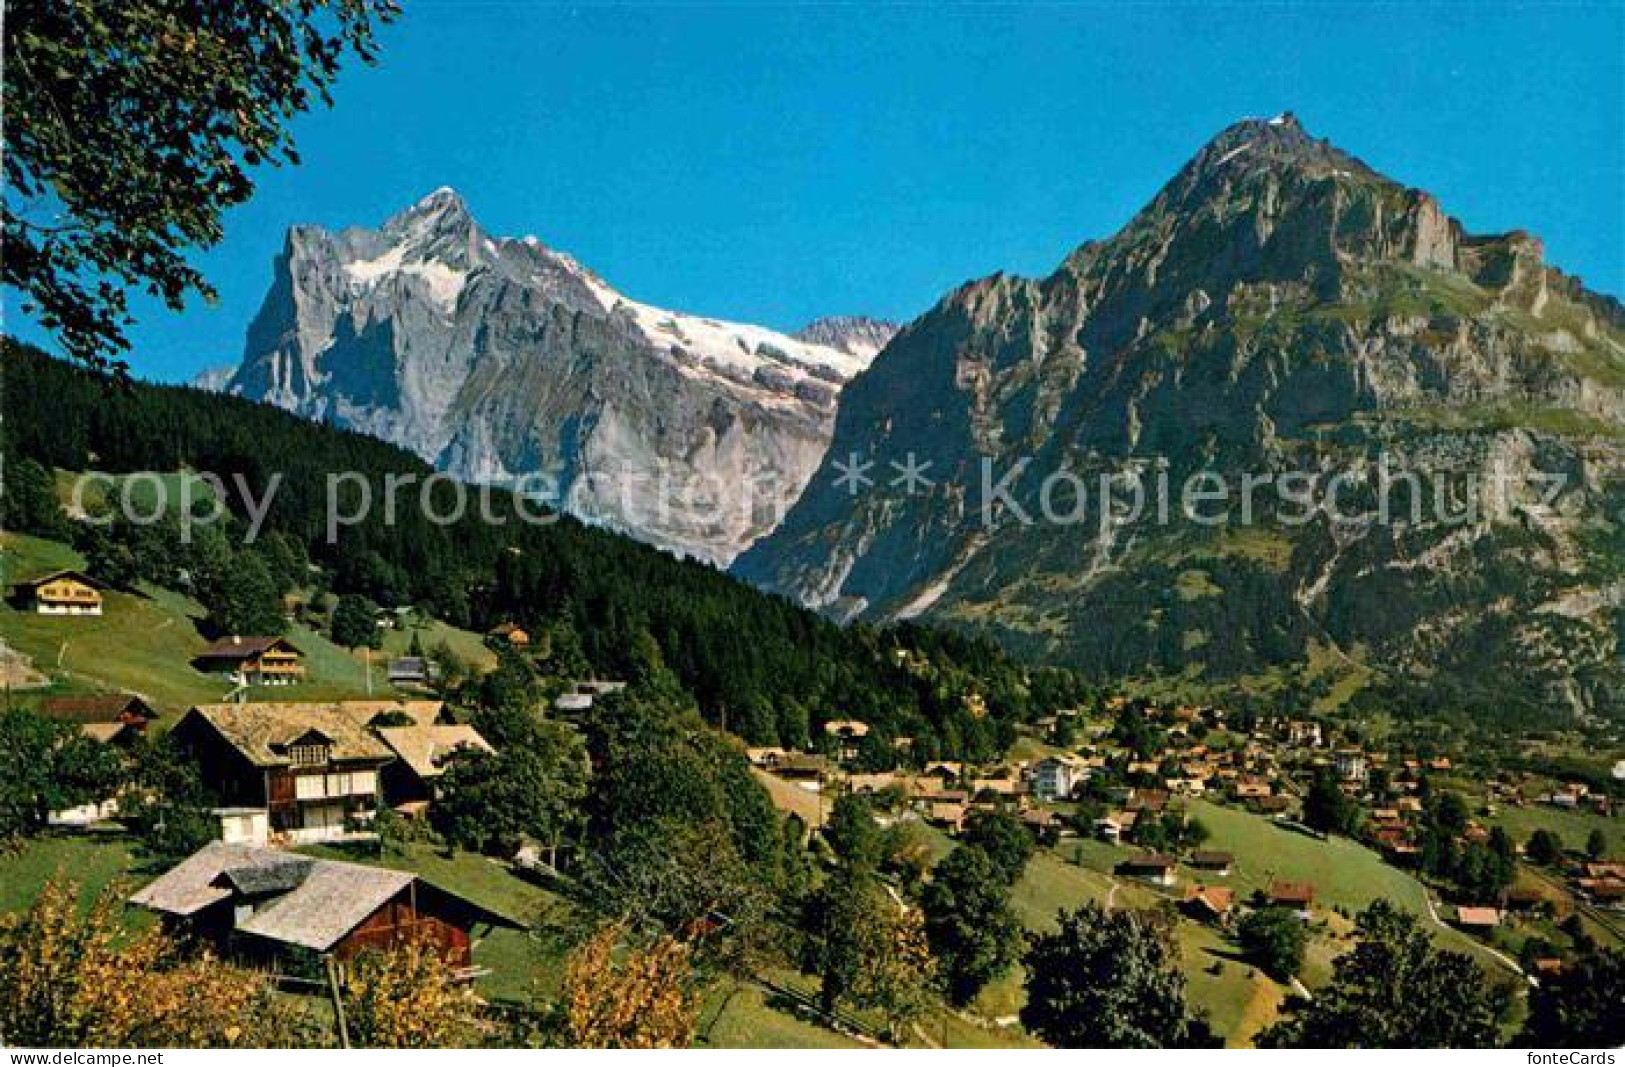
{"x": 131, "y": 127}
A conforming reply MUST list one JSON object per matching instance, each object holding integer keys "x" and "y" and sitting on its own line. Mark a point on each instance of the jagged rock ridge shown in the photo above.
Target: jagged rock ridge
{"x": 1278, "y": 307}
{"x": 503, "y": 360}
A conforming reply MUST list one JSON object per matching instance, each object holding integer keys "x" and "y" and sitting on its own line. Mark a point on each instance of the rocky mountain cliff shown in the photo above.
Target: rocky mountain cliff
{"x": 1279, "y": 311}
{"x": 505, "y": 361}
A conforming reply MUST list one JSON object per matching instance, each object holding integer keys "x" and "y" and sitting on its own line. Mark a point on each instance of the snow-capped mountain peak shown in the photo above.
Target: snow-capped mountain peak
{"x": 498, "y": 358}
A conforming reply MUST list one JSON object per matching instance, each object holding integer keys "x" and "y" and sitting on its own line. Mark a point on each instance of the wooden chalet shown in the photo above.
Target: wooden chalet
{"x": 421, "y": 749}
{"x": 802, "y": 767}
{"x": 113, "y": 718}
{"x": 1478, "y": 918}
{"x": 60, "y": 593}
{"x": 1602, "y": 891}
{"x": 409, "y": 670}
{"x": 950, "y": 815}
{"x": 1147, "y": 800}
{"x": 279, "y": 909}
{"x": 1208, "y": 903}
{"x": 1218, "y": 863}
{"x": 1150, "y": 866}
{"x": 253, "y": 660}
{"x": 1298, "y": 896}
{"x": 1110, "y": 827}
{"x": 314, "y": 766}
{"x": 848, "y": 734}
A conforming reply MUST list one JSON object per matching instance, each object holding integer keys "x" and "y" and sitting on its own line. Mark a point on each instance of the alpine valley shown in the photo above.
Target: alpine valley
{"x": 1279, "y": 310}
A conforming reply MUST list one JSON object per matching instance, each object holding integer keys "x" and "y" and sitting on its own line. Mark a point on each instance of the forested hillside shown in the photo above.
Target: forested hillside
{"x": 769, "y": 670}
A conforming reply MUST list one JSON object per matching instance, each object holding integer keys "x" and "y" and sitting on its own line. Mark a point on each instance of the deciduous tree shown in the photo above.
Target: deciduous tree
{"x": 75, "y": 977}
{"x": 532, "y": 786}
{"x": 1544, "y": 847}
{"x": 1394, "y": 989}
{"x": 131, "y": 128}
{"x": 643, "y": 997}
{"x": 868, "y": 948}
{"x": 1007, "y": 843}
{"x": 1106, "y": 979}
{"x": 48, "y": 766}
{"x": 408, "y": 997}
{"x": 1580, "y": 1006}
{"x": 353, "y": 623}
{"x": 1276, "y": 939}
{"x": 974, "y": 934}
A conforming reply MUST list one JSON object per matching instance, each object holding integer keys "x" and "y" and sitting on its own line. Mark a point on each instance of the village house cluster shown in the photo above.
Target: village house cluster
{"x": 1099, "y": 785}
{"x": 295, "y": 773}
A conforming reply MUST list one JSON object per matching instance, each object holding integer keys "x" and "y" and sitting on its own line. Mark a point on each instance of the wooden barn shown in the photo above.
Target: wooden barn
{"x": 113, "y": 717}
{"x": 281, "y": 909}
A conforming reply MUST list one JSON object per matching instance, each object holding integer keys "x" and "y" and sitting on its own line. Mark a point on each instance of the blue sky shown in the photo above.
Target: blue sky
{"x": 773, "y": 163}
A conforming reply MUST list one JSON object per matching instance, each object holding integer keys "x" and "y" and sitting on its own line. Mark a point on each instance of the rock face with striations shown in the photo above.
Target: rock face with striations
{"x": 1279, "y": 309}
{"x": 503, "y": 360}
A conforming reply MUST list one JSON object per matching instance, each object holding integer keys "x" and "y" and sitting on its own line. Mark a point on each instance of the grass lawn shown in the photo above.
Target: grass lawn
{"x": 1050, "y": 884}
{"x": 790, "y": 798}
{"x": 148, "y": 494}
{"x": 746, "y": 1020}
{"x": 142, "y": 644}
{"x": 1238, "y": 999}
{"x": 1345, "y": 874}
{"x": 1572, "y": 826}
{"x": 466, "y": 645}
{"x": 93, "y": 860}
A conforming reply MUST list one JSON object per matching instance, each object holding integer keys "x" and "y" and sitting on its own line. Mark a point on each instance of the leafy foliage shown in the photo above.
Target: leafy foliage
{"x": 852, "y": 831}
{"x": 531, "y": 787}
{"x": 28, "y": 501}
{"x": 48, "y": 766}
{"x": 1006, "y": 842}
{"x": 1106, "y": 979}
{"x": 644, "y": 997}
{"x": 130, "y": 131}
{"x": 1276, "y": 938}
{"x": 1394, "y": 989}
{"x": 1326, "y": 807}
{"x": 353, "y": 625}
{"x": 167, "y": 803}
{"x": 1579, "y": 1007}
{"x": 868, "y": 948}
{"x": 408, "y": 997}
{"x": 246, "y": 601}
{"x": 1544, "y": 847}
{"x": 974, "y": 934}
{"x": 72, "y": 977}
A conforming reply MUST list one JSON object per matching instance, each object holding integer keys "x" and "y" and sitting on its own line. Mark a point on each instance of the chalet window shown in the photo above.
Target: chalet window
{"x": 308, "y": 755}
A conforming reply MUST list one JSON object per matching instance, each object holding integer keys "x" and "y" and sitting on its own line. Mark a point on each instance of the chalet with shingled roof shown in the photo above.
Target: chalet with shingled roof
{"x": 60, "y": 593}
{"x": 281, "y": 909}
{"x": 315, "y": 767}
{"x": 253, "y": 660}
